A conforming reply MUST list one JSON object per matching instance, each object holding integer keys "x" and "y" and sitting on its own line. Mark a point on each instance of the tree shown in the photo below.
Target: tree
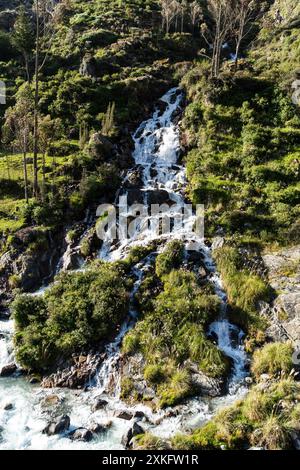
{"x": 216, "y": 34}
{"x": 170, "y": 9}
{"x": 18, "y": 126}
{"x": 108, "y": 125}
{"x": 46, "y": 13}
{"x": 48, "y": 129}
{"x": 23, "y": 37}
{"x": 245, "y": 13}
{"x": 195, "y": 13}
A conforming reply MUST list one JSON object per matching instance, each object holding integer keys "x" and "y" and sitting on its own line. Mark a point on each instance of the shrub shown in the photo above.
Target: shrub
{"x": 171, "y": 258}
{"x": 79, "y": 311}
{"x": 273, "y": 358}
{"x": 154, "y": 374}
{"x": 179, "y": 388}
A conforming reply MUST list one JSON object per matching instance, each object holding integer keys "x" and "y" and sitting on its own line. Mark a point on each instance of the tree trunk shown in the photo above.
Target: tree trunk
{"x": 44, "y": 178}
{"x": 36, "y": 104}
{"x": 25, "y": 175}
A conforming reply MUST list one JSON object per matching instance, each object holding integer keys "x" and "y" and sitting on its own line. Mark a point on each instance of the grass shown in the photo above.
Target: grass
{"x": 263, "y": 418}
{"x": 272, "y": 359}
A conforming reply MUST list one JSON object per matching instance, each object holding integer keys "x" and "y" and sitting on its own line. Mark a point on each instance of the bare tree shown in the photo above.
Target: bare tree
{"x": 170, "y": 9}
{"x": 216, "y": 34}
{"x": 195, "y": 13}
{"x": 245, "y": 13}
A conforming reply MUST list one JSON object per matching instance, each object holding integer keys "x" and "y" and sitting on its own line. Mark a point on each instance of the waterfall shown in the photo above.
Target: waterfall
{"x": 156, "y": 155}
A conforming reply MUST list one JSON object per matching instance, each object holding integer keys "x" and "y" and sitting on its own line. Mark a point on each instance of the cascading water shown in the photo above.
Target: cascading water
{"x": 156, "y": 155}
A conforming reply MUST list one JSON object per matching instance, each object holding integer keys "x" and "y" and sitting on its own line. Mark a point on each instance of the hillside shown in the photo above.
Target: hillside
{"x": 145, "y": 339}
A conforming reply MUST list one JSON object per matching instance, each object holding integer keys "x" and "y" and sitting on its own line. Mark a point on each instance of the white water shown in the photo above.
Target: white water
{"x": 156, "y": 154}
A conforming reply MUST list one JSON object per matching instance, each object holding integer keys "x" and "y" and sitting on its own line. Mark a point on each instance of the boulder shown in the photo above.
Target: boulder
{"x": 8, "y": 407}
{"x": 99, "y": 404}
{"x": 97, "y": 428}
{"x": 59, "y": 426}
{"x": 126, "y": 415}
{"x": 81, "y": 434}
{"x": 8, "y": 370}
{"x": 100, "y": 147}
{"x": 135, "y": 430}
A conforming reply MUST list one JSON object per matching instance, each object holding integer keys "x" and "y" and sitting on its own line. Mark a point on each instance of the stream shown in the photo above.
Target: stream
{"x": 24, "y": 408}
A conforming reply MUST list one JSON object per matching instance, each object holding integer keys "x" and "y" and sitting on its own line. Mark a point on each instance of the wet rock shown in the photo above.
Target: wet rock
{"x": 60, "y": 425}
{"x": 99, "y": 404}
{"x": 51, "y": 400}
{"x": 34, "y": 380}
{"x": 159, "y": 196}
{"x": 97, "y": 428}
{"x": 76, "y": 376}
{"x": 8, "y": 370}
{"x": 205, "y": 385}
{"x": 139, "y": 415}
{"x": 126, "y": 415}
{"x": 81, "y": 434}
{"x": 134, "y": 179}
{"x": 135, "y": 196}
{"x": 8, "y": 407}
{"x": 135, "y": 430}
{"x": 72, "y": 259}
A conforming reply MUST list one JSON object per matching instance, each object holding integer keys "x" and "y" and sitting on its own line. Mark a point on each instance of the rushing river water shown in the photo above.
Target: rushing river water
{"x": 24, "y": 408}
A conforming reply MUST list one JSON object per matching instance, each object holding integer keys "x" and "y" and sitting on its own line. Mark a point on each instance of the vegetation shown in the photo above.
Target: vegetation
{"x": 262, "y": 419}
{"x": 172, "y": 329}
{"x": 80, "y": 310}
{"x": 272, "y": 359}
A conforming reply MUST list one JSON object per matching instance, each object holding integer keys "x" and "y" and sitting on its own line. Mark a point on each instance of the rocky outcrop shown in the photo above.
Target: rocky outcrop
{"x": 284, "y": 277}
{"x": 77, "y": 375}
{"x": 81, "y": 434}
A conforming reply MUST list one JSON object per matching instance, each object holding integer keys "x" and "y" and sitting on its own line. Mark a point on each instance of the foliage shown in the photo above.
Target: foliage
{"x": 78, "y": 311}
{"x": 272, "y": 359}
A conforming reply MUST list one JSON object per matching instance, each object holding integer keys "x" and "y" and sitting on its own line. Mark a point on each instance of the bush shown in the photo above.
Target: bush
{"x": 272, "y": 359}
{"x": 154, "y": 374}
{"x": 171, "y": 258}
{"x": 177, "y": 389}
{"x": 62, "y": 148}
{"x": 79, "y": 311}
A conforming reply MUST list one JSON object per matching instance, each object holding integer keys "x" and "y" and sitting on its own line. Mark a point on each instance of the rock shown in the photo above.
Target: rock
{"x": 295, "y": 436}
{"x": 135, "y": 430}
{"x": 8, "y": 370}
{"x": 81, "y": 434}
{"x": 99, "y": 404}
{"x": 205, "y": 385}
{"x": 159, "y": 196}
{"x": 60, "y": 425}
{"x": 34, "y": 380}
{"x": 139, "y": 415}
{"x": 72, "y": 259}
{"x": 126, "y": 415}
{"x": 248, "y": 380}
{"x": 97, "y": 428}
{"x": 100, "y": 148}
{"x": 8, "y": 407}
{"x": 264, "y": 377}
{"x": 89, "y": 67}
{"x": 51, "y": 400}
